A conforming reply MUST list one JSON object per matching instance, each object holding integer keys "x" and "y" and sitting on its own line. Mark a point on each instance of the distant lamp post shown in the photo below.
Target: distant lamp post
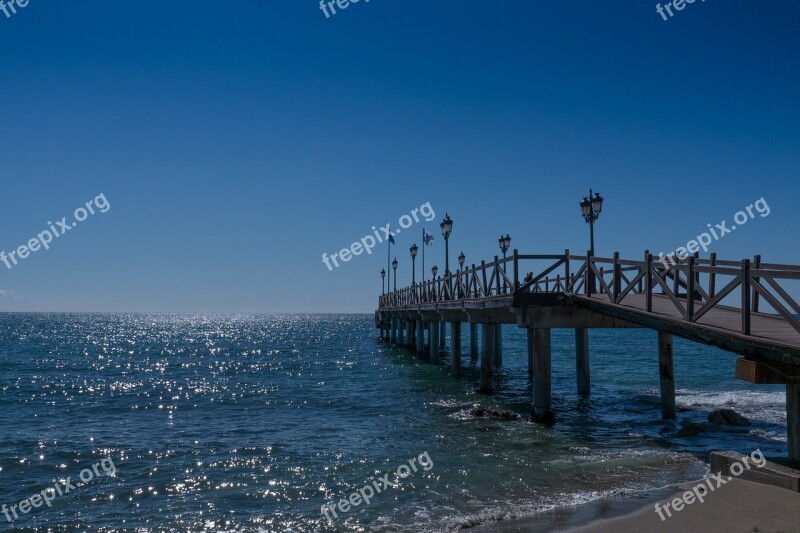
{"x": 447, "y": 227}
{"x": 590, "y": 210}
{"x": 394, "y": 267}
{"x": 383, "y": 276}
{"x": 413, "y": 251}
{"x": 505, "y": 244}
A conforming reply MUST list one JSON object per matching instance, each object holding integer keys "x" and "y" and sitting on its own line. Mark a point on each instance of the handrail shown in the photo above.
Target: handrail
{"x": 689, "y": 284}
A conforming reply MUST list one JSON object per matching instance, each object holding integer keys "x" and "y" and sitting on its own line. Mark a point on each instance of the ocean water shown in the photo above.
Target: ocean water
{"x": 253, "y": 422}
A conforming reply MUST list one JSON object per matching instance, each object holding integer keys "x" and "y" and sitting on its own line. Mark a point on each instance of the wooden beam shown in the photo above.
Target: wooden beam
{"x": 766, "y": 373}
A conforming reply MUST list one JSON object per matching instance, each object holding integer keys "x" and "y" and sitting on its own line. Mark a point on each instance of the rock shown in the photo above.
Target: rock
{"x": 691, "y": 429}
{"x": 480, "y": 411}
{"x": 727, "y": 417}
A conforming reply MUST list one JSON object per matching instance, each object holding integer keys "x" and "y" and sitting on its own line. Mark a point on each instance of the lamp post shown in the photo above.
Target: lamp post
{"x": 505, "y": 243}
{"x": 383, "y": 276}
{"x": 394, "y": 267}
{"x": 447, "y": 227}
{"x": 461, "y": 259}
{"x": 413, "y": 251}
{"x": 590, "y": 210}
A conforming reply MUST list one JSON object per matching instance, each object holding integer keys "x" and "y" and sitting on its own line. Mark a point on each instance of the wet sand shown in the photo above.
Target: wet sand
{"x": 737, "y": 506}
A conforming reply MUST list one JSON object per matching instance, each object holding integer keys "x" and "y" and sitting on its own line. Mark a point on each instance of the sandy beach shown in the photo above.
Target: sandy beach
{"x": 738, "y": 506}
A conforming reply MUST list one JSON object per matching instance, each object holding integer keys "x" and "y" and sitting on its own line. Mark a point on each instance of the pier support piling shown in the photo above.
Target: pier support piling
{"x": 793, "y": 419}
{"x": 401, "y": 332}
{"x": 442, "y": 335}
{"x": 434, "y": 341}
{"x": 582, "y": 361}
{"x": 542, "y": 372}
{"x": 487, "y": 358}
{"x": 498, "y": 345}
{"x": 420, "y": 338}
{"x": 455, "y": 347}
{"x": 666, "y": 373}
{"x": 394, "y": 330}
{"x": 530, "y": 350}
{"x": 409, "y": 340}
{"x": 473, "y": 341}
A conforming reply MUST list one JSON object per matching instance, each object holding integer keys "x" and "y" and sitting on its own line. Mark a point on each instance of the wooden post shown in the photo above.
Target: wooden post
{"x": 497, "y": 275}
{"x": 434, "y": 341}
{"x": 566, "y": 269}
{"x": 455, "y": 347}
{"x": 690, "y": 288}
{"x": 666, "y": 373}
{"x": 442, "y": 335}
{"x": 420, "y": 338}
{"x": 589, "y": 276}
{"x": 793, "y": 419}
{"x": 542, "y": 385}
{"x": 401, "y": 331}
{"x": 394, "y": 330}
{"x": 409, "y": 334}
{"x": 483, "y": 271}
{"x": 617, "y": 278}
{"x": 516, "y": 270}
{"x": 745, "y": 297}
{"x": 473, "y": 341}
{"x": 646, "y": 253}
{"x": 649, "y": 282}
{"x": 487, "y": 355}
{"x": 756, "y": 296}
{"x": 582, "y": 360}
{"x": 530, "y": 350}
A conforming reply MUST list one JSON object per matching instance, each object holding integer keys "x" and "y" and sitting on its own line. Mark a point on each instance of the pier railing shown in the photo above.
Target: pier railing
{"x": 693, "y": 286}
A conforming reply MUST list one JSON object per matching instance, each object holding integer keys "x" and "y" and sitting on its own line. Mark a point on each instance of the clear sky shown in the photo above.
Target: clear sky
{"x": 236, "y": 142}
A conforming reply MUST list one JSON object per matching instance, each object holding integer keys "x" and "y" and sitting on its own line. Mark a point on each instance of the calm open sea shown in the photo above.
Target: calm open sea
{"x": 253, "y": 422}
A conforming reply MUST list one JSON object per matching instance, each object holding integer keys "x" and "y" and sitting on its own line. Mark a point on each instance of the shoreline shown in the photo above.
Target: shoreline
{"x": 739, "y": 505}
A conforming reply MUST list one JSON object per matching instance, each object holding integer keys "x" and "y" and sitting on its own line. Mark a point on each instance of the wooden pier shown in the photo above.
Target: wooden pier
{"x": 739, "y": 306}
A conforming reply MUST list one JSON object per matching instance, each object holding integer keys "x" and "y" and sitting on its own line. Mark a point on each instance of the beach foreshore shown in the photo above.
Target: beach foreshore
{"x": 738, "y": 506}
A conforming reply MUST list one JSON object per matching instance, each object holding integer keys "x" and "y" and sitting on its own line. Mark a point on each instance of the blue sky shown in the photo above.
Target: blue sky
{"x": 237, "y": 142}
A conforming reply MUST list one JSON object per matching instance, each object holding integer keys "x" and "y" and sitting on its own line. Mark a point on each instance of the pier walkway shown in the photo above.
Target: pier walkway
{"x": 742, "y": 306}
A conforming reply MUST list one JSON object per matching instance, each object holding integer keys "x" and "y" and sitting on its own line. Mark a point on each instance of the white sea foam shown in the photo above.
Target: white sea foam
{"x": 767, "y": 407}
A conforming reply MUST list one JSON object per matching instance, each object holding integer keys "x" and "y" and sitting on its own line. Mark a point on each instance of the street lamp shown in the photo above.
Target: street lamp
{"x": 383, "y": 275}
{"x": 590, "y": 210}
{"x": 394, "y": 267}
{"x": 505, "y": 243}
{"x": 413, "y": 251}
{"x": 447, "y": 227}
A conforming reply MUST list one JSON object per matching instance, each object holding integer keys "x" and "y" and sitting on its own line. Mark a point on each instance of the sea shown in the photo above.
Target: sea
{"x": 262, "y": 422}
